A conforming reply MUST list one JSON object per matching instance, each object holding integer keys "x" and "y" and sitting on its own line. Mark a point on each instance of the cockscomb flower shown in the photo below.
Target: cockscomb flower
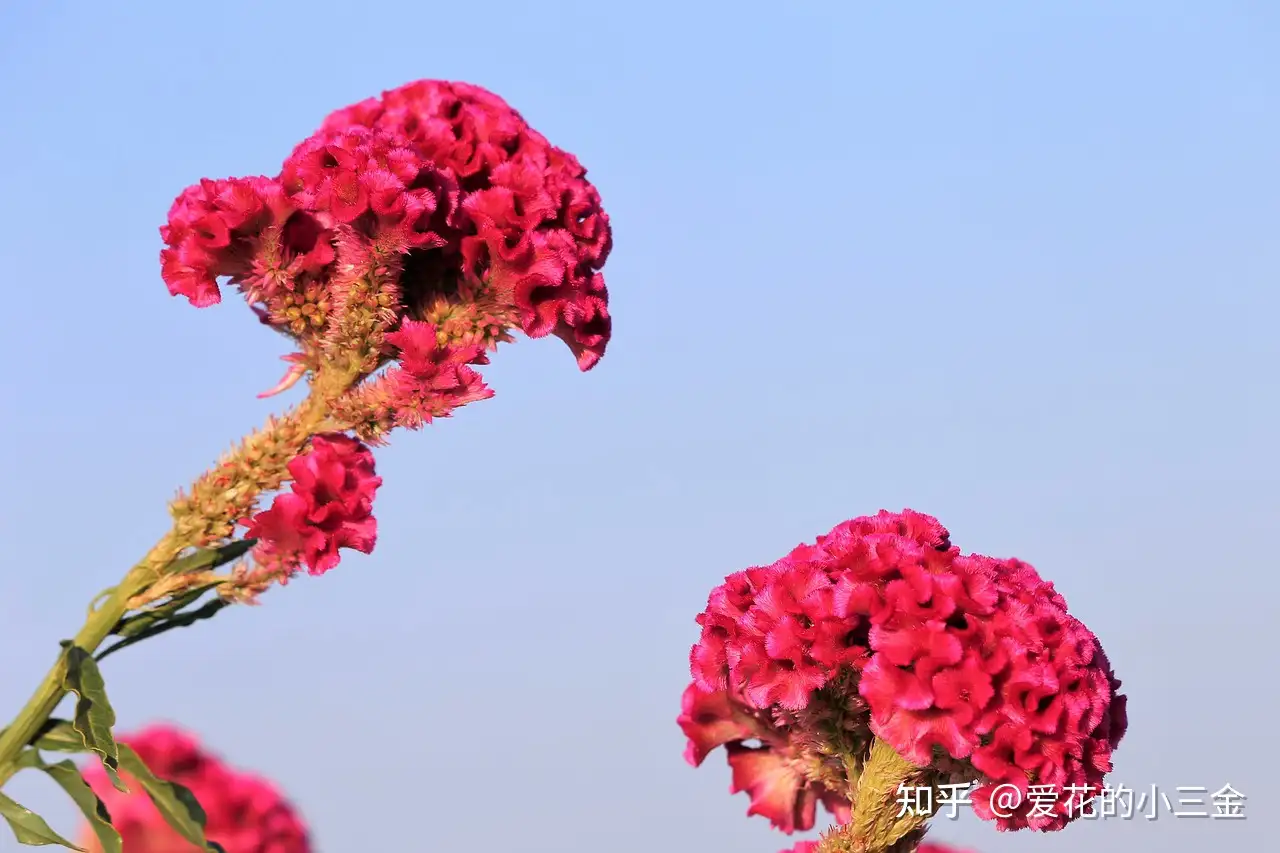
{"x": 969, "y": 667}
{"x": 535, "y": 228}
{"x": 246, "y": 230}
{"x": 398, "y": 246}
{"x": 244, "y": 812}
{"x": 329, "y": 506}
{"x": 436, "y": 192}
{"x": 784, "y": 776}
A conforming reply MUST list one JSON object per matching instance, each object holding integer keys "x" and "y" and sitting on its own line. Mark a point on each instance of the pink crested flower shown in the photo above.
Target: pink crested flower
{"x": 330, "y": 506}
{"x": 431, "y": 379}
{"x": 784, "y": 781}
{"x": 709, "y": 720}
{"x": 960, "y": 656}
{"x": 377, "y": 183}
{"x": 243, "y": 229}
{"x": 435, "y": 203}
{"x": 778, "y": 788}
{"x": 536, "y": 226}
{"x": 244, "y": 812}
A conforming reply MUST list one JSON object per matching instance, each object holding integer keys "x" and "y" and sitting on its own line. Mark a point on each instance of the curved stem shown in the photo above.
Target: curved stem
{"x": 258, "y": 463}
{"x": 97, "y": 627}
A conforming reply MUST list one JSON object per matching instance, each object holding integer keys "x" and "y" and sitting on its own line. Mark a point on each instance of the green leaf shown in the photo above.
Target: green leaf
{"x": 176, "y": 803}
{"x": 170, "y": 615}
{"x": 182, "y": 620}
{"x": 132, "y": 625}
{"x": 94, "y": 716}
{"x": 27, "y": 758}
{"x": 58, "y": 736}
{"x": 211, "y": 558}
{"x": 29, "y": 828}
{"x": 69, "y": 779}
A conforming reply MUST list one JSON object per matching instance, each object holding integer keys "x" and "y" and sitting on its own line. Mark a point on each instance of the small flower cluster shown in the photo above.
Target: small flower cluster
{"x": 244, "y": 813}
{"x": 785, "y": 776}
{"x": 430, "y": 381}
{"x": 435, "y": 204}
{"x": 965, "y": 664}
{"x": 329, "y": 506}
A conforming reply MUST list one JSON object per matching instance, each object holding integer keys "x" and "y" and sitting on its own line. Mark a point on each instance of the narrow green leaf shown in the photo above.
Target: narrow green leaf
{"x": 29, "y": 828}
{"x": 176, "y": 803}
{"x": 181, "y": 620}
{"x": 27, "y": 758}
{"x": 211, "y": 558}
{"x": 94, "y": 716}
{"x": 59, "y": 736}
{"x": 69, "y": 779}
{"x": 139, "y": 622}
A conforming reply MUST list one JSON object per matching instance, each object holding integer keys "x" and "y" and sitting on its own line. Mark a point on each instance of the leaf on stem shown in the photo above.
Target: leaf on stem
{"x": 170, "y": 615}
{"x": 69, "y": 779}
{"x": 94, "y": 716}
{"x": 175, "y": 803}
{"x": 181, "y": 620}
{"x": 29, "y": 828}
{"x": 131, "y": 626}
{"x": 210, "y": 558}
{"x": 58, "y": 736}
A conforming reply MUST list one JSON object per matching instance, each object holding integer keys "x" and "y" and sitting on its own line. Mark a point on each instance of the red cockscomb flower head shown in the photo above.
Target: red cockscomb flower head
{"x": 434, "y": 204}
{"x": 330, "y": 506}
{"x": 536, "y": 229}
{"x": 244, "y": 812}
{"x": 964, "y": 664}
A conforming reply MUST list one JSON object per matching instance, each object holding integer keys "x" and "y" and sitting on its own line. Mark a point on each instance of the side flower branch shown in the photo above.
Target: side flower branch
{"x": 396, "y": 249}
{"x": 881, "y": 658}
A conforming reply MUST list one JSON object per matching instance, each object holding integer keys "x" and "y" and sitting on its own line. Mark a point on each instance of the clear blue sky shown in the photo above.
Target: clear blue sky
{"x": 1010, "y": 264}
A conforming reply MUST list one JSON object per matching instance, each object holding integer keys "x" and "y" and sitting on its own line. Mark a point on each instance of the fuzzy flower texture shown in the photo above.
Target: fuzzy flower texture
{"x": 413, "y": 231}
{"x": 969, "y": 667}
{"x": 926, "y": 847}
{"x": 329, "y": 506}
{"x": 245, "y": 813}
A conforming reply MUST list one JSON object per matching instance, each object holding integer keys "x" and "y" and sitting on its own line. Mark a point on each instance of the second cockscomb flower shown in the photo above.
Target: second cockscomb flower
{"x": 968, "y": 668}
{"x": 244, "y": 812}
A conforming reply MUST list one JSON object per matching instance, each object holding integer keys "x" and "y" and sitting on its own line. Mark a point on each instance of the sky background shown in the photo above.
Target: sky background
{"x": 1010, "y": 264}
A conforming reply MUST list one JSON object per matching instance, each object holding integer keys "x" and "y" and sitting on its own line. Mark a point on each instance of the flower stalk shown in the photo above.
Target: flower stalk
{"x": 396, "y": 248}
{"x": 257, "y": 465}
{"x": 97, "y": 627}
{"x": 878, "y": 824}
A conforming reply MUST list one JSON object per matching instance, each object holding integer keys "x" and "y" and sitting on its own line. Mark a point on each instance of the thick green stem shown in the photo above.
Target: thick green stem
{"x": 97, "y": 627}
{"x": 258, "y": 463}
